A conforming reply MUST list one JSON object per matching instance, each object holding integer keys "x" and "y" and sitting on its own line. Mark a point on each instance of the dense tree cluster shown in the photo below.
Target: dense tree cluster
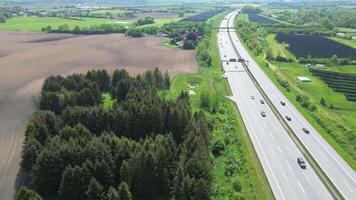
{"x": 96, "y": 29}
{"x": 188, "y": 32}
{"x": 312, "y": 20}
{"x": 9, "y": 12}
{"x": 143, "y": 147}
{"x": 145, "y": 21}
{"x": 253, "y": 35}
{"x": 251, "y": 10}
{"x": 326, "y": 16}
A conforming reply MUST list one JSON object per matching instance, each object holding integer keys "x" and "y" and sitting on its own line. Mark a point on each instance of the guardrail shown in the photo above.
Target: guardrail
{"x": 324, "y": 178}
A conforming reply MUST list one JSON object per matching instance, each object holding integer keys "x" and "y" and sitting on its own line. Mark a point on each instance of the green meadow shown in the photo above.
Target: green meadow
{"x": 35, "y": 23}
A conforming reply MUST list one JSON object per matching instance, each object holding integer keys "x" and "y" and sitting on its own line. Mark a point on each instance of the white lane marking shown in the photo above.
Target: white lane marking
{"x": 348, "y": 186}
{"x": 301, "y": 187}
{"x": 279, "y": 149}
{"x": 306, "y": 177}
{"x": 268, "y": 164}
{"x": 290, "y": 168}
{"x": 285, "y": 177}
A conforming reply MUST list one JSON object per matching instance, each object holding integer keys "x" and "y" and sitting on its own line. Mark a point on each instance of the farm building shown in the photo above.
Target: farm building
{"x": 303, "y": 79}
{"x": 308, "y": 65}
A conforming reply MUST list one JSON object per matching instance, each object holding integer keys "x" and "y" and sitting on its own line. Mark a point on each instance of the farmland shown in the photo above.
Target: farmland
{"x": 202, "y": 17}
{"x": 314, "y": 45}
{"x": 28, "y": 57}
{"x": 260, "y": 19}
{"x": 37, "y": 23}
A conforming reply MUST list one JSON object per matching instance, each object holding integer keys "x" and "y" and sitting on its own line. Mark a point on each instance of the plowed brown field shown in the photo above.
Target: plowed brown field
{"x": 27, "y": 58}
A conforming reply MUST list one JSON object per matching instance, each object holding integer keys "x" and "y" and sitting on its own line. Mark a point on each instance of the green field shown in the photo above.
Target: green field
{"x": 350, "y": 69}
{"x": 104, "y": 11}
{"x": 37, "y": 23}
{"x": 347, "y": 30}
{"x": 278, "y": 49}
{"x": 351, "y": 43}
{"x": 238, "y": 163}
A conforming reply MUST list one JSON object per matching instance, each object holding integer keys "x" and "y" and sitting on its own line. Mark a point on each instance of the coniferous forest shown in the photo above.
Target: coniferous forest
{"x": 143, "y": 147}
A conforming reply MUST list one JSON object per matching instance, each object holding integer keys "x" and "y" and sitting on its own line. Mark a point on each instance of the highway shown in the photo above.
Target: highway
{"x": 275, "y": 149}
{"x": 333, "y": 165}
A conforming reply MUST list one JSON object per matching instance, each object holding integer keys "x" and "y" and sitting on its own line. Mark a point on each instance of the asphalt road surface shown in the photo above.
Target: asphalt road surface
{"x": 276, "y": 150}
{"x": 333, "y": 165}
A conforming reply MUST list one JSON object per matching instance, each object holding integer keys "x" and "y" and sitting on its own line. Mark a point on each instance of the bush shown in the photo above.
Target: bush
{"x": 217, "y": 148}
{"x": 236, "y": 185}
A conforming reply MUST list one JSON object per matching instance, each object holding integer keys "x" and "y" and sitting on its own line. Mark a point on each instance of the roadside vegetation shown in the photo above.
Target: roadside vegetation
{"x": 236, "y": 171}
{"x": 328, "y": 110}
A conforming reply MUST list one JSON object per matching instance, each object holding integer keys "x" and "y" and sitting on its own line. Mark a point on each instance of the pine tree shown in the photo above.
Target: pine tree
{"x": 112, "y": 194}
{"x": 119, "y": 75}
{"x": 30, "y": 152}
{"x": 158, "y": 79}
{"x": 74, "y": 183}
{"x": 125, "y": 173}
{"x": 124, "y": 192}
{"x": 27, "y": 194}
{"x": 167, "y": 81}
{"x": 95, "y": 190}
{"x": 178, "y": 192}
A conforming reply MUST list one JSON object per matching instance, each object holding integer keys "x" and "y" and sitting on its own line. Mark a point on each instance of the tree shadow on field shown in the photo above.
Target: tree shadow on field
{"x": 22, "y": 179}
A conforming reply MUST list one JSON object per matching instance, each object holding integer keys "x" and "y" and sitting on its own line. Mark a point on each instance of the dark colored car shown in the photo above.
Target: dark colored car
{"x": 288, "y": 118}
{"x": 263, "y": 114}
{"x": 306, "y": 130}
{"x": 283, "y": 103}
{"x": 262, "y": 102}
{"x": 301, "y": 163}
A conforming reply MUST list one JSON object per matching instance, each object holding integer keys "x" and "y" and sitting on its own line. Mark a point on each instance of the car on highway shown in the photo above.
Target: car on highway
{"x": 306, "y": 130}
{"x": 262, "y": 102}
{"x": 288, "y": 118}
{"x": 263, "y": 114}
{"x": 283, "y": 103}
{"x": 301, "y": 163}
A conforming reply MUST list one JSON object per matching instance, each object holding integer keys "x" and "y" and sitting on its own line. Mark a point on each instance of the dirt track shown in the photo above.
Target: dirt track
{"x": 26, "y": 59}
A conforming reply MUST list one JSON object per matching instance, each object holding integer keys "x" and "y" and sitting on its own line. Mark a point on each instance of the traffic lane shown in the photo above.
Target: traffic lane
{"x": 309, "y": 182}
{"x": 300, "y": 182}
{"x": 271, "y": 177}
{"x": 344, "y": 181}
{"x": 288, "y": 188}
